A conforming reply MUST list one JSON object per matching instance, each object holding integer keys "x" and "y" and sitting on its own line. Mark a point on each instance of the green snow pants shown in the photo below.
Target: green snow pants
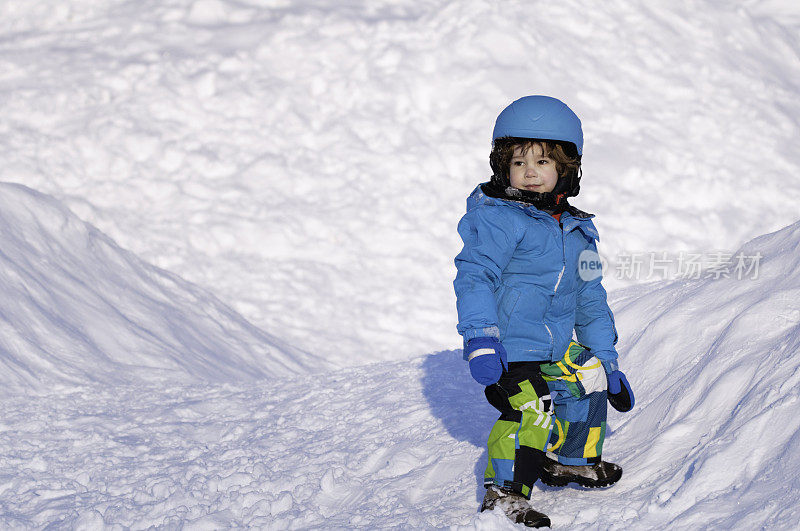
{"x": 556, "y": 409}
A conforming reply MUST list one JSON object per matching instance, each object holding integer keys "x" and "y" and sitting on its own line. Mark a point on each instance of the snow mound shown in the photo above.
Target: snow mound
{"x": 712, "y": 444}
{"x": 76, "y": 308}
{"x": 715, "y": 439}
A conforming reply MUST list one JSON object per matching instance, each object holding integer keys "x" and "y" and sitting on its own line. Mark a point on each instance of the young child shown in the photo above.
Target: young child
{"x": 528, "y": 276}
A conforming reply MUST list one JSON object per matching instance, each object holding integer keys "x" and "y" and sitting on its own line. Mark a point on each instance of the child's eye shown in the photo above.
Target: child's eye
{"x": 543, "y": 161}
{"x": 517, "y": 163}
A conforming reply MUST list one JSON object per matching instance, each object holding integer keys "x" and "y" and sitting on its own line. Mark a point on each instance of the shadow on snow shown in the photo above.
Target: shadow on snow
{"x": 458, "y": 401}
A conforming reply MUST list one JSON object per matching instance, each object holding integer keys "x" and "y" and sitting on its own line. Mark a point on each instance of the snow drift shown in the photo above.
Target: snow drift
{"x": 76, "y": 308}
{"x": 715, "y": 437}
{"x": 714, "y": 442}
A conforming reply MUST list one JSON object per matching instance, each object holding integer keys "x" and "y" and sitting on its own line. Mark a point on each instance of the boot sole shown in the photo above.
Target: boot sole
{"x": 562, "y": 481}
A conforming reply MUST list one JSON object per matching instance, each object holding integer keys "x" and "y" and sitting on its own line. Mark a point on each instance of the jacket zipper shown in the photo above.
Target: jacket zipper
{"x": 563, "y": 259}
{"x": 560, "y": 275}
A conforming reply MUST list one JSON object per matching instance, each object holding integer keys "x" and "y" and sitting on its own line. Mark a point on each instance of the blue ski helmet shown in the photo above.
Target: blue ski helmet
{"x": 540, "y": 117}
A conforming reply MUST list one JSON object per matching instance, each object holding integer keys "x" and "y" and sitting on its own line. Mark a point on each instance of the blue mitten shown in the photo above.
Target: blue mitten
{"x": 487, "y": 359}
{"x": 620, "y": 394}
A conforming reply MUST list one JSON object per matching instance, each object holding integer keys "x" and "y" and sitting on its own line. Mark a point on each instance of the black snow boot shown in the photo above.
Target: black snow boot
{"x": 600, "y": 474}
{"x": 514, "y": 505}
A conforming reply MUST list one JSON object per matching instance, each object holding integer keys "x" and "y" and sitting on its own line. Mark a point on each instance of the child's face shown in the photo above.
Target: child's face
{"x": 531, "y": 170}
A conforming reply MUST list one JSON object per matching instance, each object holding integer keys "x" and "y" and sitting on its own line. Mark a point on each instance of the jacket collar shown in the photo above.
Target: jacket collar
{"x": 571, "y": 219}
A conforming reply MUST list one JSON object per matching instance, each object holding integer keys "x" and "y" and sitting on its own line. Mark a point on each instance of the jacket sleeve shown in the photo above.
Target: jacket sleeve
{"x": 594, "y": 321}
{"x": 490, "y": 238}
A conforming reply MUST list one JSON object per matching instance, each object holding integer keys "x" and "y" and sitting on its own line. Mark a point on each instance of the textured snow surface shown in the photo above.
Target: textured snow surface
{"x": 712, "y": 442}
{"x": 715, "y": 437}
{"x": 226, "y": 210}
{"x": 359, "y": 448}
{"x": 77, "y": 309}
{"x": 307, "y": 161}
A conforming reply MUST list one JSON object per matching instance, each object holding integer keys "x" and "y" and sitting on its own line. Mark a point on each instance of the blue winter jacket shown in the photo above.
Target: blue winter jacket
{"x": 518, "y": 280}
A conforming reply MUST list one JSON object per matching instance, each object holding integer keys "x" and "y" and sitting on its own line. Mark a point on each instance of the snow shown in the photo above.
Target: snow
{"x": 718, "y": 360}
{"x": 228, "y": 454}
{"x": 226, "y": 242}
{"x": 78, "y": 309}
{"x": 307, "y": 161}
{"x": 712, "y": 443}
